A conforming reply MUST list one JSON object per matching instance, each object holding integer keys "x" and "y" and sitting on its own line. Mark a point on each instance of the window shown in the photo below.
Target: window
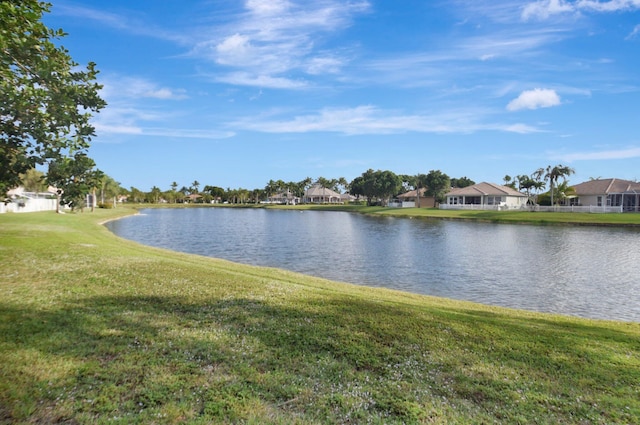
{"x": 599, "y": 201}
{"x": 614, "y": 200}
{"x": 472, "y": 200}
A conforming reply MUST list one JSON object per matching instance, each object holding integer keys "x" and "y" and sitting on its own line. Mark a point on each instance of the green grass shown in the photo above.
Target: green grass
{"x": 96, "y": 329}
{"x": 611, "y": 219}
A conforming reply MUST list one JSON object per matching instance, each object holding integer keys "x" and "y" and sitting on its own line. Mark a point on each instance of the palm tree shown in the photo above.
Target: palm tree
{"x": 554, "y": 173}
{"x": 563, "y": 190}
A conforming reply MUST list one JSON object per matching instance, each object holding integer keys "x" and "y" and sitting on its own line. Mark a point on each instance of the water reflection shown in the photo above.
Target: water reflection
{"x": 581, "y": 271}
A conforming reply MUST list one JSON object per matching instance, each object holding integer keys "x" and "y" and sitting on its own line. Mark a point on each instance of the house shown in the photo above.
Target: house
{"x": 20, "y": 200}
{"x": 412, "y": 196}
{"x": 317, "y": 194}
{"x": 608, "y": 193}
{"x": 286, "y": 198}
{"x": 345, "y": 198}
{"x": 193, "y": 197}
{"x": 485, "y": 196}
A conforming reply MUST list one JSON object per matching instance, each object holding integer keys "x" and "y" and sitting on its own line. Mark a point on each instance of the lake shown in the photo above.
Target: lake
{"x": 583, "y": 271}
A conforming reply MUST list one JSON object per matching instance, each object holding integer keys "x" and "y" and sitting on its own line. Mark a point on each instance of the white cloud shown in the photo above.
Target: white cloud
{"x": 634, "y": 33}
{"x": 117, "y": 87}
{"x": 262, "y": 81}
{"x": 601, "y": 155}
{"x": 267, "y": 7}
{"x": 520, "y": 129}
{"x": 368, "y": 119}
{"x": 534, "y": 99}
{"x": 608, "y": 6}
{"x": 322, "y": 65}
{"x": 543, "y": 9}
{"x": 274, "y": 37}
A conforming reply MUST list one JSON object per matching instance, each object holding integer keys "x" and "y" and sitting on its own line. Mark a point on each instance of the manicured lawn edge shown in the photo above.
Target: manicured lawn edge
{"x": 97, "y": 329}
{"x": 516, "y": 217}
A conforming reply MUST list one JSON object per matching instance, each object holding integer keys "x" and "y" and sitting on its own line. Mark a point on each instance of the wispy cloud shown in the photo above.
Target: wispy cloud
{"x": 534, "y": 99}
{"x": 259, "y": 80}
{"x": 119, "y": 21}
{"x": 274, "y": 38}
{"x": 629, "y": 153}
{"x": 110, "y": 128}
{"x": 634, "y": 33}
{"x": 368, "y": 119}
{"x": 132, "y": 87}
{"x": 544, "y": 9}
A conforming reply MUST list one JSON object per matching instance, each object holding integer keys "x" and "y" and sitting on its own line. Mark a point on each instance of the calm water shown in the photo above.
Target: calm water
{"x": 582, "y": 271}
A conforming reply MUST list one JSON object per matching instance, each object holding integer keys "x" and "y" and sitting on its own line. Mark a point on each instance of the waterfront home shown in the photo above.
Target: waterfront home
{"x": 317, "y": 194}
{"x": 285, "y": 198}
{"x": 418, "y": 201}
{"x": 487, "y": 196}
{"x": 608, "y": 193}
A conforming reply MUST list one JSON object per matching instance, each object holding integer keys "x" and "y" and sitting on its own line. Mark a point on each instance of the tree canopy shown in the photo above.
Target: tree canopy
{"x": 46, "y": 101}
{"x": 376, "y": 185}
{"x": 437, "y": 184}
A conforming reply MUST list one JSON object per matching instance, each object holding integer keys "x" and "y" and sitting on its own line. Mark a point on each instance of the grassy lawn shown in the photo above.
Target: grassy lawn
{"x": 613, "y": 219}
{"x": 96, "y": 329}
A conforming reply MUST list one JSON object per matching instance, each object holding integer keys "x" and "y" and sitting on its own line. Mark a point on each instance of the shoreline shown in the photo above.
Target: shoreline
{"x": 353, "y": 280}
{"x": 108, "y": 328}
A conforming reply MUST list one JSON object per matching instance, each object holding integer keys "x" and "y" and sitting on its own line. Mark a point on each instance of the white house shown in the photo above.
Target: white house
{"x": 285, "y": 197}
{"x": 608, "y": 193}
{"x": 20, "y": 200}
{"x": 485, "y": 196}
{"x": 317, "y": 194}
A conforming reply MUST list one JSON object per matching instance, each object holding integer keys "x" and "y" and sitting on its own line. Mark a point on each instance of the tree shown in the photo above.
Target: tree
{"x": 33, "y": 181}
{"x": 298, "y": 189}
{"x": 326, "y": 183}
{"x": 462, "y": 182}
{"x": 376, "y": 184}
{"x": 109, "y": 189}
{"x": 257, "y": 195}
{"x": 136, "y": 195}
{"x": 408, "y": 182}
{"x": 437, "y": 184}
{"x": 194, "y": 187}
{"x": 46, "y": 101}
{"x": 342, "y": 185}
{"x": 216, "y": 193}
{"x": 76, "y": 176}
{"x": 528, "y": 184}
{"x": 154, "y": 195}
{"x": 563, "y": 191}
{"x": 420, "y": 182}
{"x": 553, "y": 174}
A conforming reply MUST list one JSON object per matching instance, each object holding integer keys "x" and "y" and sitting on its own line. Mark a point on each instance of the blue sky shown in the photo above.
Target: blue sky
{"x": 234, "y": 93}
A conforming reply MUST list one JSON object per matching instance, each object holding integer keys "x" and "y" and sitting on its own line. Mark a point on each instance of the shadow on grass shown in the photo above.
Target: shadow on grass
{"x": 221, "y": 358}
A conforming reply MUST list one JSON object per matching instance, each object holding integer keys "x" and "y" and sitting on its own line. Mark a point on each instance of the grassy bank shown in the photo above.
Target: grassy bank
{"x": 95, "y": 329}
{"x": 627, "y": 219}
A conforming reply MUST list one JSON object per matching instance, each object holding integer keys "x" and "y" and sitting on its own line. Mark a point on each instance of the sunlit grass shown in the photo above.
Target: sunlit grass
{"x": 96, "y": 329}
{"x": 626, "y": 219}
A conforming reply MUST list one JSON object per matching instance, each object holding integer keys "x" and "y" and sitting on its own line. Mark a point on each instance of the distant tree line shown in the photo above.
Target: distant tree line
{"x": 373, "y": 187}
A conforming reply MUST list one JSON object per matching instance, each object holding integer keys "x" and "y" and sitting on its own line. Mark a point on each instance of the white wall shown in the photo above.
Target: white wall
{"x": 28, "y": 205}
